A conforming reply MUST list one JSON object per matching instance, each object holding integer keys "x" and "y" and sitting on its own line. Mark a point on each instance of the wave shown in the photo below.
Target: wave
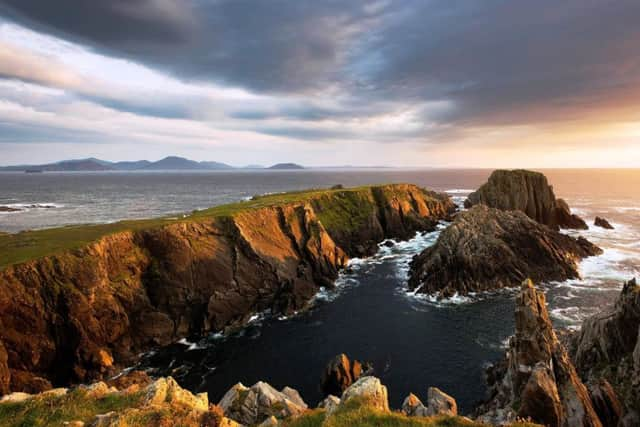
{"x": 12, "y": 208}
{"x": 459, "y": 191}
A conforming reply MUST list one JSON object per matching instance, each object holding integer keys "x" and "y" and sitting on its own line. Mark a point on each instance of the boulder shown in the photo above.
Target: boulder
{"x": 369, "y": 389}
{"x": 16, "y": 397}
{"x": 413, "y": 406}
{"x": 602, "y": 223}
{"x": 261, "y": 401}
{"x": 440, "y": 403}
{"x": 270, "y": 422}
{"x": 330, "y": 403}
{"x": 339, "y": 374}
{"x": 485, "y": 249}
{"x": 526, "y": 191}
{"x": 167, "y": 390}
{"x": 537, "y": 379}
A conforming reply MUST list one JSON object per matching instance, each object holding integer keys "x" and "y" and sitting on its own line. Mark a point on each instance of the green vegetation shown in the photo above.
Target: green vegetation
{"x": 55, "y": 410}
{"x": 357, "y": 413}
{"x": 348, "y": 213}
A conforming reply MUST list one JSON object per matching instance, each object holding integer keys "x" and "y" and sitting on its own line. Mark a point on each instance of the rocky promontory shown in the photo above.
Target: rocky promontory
{"x": 485, "y": 249}
{"x": 529, "y": 192}
{"x": 79, "y": 303}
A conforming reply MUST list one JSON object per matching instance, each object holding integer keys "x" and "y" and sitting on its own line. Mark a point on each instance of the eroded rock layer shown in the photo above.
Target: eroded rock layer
{"x": 487, "y": 248}
{"x": 78, "y": 315}
{"x": 528, "y": 192}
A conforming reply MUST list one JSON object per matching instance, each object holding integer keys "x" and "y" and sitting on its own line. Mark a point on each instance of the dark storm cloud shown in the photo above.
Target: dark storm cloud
{"x": 494, "y": 61}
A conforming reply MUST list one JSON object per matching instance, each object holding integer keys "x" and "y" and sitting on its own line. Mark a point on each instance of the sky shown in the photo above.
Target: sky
{"x": 409, "y": 83}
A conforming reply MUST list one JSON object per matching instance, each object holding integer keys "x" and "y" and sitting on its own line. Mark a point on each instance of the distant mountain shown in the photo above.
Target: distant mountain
{"x": 253, "y": 167}
{"x": 131, "y": 166}
{"x": 286, "y": 166}
{"x": 216, "y": 165}
{"x": 175, "y": 163}
{"x": 93, "y": 164}
{"x": 64, "y": 166}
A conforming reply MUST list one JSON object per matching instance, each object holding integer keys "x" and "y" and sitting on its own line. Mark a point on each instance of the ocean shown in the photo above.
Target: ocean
{"x": 413, "y": 342}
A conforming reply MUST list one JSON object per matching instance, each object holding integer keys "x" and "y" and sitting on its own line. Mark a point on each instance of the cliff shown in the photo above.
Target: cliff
{"x": 528, "y": 192}
{"x": 485, "y": 249}
{"x": 537, "y": 380}
{"x": 79, "y": 303}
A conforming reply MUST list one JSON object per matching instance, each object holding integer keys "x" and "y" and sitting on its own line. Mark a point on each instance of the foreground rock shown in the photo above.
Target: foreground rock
{"x": 607, "y": 349}
{"x": 537, "y": 380}
{"x": 485, "y": 249}
{"x": 260, "y": 402}
{"x": 602, "y": 223}
{"x": 438, "y": 403}
{"x": 370, "y": 390}
{"x": 528, "y": 192}
{"x": 81, "y": 315}
{"x": 340, "y": 373}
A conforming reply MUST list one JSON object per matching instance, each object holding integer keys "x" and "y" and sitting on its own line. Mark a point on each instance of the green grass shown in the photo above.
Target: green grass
{"x": 54, "y": 411}
{"x": 28, "y": 245}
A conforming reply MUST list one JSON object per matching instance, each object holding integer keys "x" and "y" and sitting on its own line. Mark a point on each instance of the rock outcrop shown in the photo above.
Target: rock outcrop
{"x": 528, "y": 192}
{"x": 607, "y": 347}
{"x": 259, "y": 402}
{"x": 602, "y": 223}
{"x": 486, "y": 248}
{"x": 340, "y": 373}
{"x": 5, "y": 374}
{"x": 370, "y": 390}
{"x": 438, "y": 403}
{"x": 82, "y": 314}
{"x": 537, "y": 379}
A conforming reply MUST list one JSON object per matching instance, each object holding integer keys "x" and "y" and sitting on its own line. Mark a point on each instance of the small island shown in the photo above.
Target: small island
{"x": 286, "y": 166}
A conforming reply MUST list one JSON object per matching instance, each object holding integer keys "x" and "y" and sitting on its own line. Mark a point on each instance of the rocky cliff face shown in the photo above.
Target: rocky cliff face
{"x": 81, "y": 314}
{"x": 528, "y": 192}
{"x": 487, "y": 248}
{"x": 537, "y": 379}
{"x": 607, "y": 348}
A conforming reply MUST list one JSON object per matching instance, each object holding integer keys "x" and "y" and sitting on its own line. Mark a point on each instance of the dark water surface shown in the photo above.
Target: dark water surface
{"x": 413, "y": 342}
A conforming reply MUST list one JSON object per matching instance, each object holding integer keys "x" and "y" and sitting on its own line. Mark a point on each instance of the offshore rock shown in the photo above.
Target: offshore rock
{"x": 261, "y": 401}
{"x": 537, "y": 380}
{"x": 529, "y": 192}
{"x": 81, "y": 315}
{"x": 603, "y": 223}
{"x": 607, "y": 346}
{"x": 485, "y": 249}
{"x": 339, "y": 374}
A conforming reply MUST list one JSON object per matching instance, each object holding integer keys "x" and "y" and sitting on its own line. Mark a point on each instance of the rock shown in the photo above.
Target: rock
{"x": 413, "y": 406}
{"x": 528, "y": 192}
{"x": 261, "y": 401}
{"x": 293, "y": 395}
{"x": 485, "y": 249}
{"x": 537, "y": 378}
{"x": 369, "y": 389}
{"x": 9, "y": 209}
{"x": 28, "y": 382}
{"x": 440, "y": 403}
{"x": 131, "y": 381}
{"x": 16, "y": 397}
{"x": 55, "y": 392}
{"x": 167, "y": 390}
{"x": 330, "y": 403}
{"x": 607, "y": 347}
{"x": 602, "y": 223}
{"x": 5, "y": 374}
{"x": 270, "y": 422}
{"x": 98, "y": 390}
{"x": 76, "y": 423}
{"x": 606, "y": 403}
{"x": 339, "y": 374}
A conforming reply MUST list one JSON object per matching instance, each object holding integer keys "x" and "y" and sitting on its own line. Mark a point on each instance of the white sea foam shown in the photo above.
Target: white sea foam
{"x": 459, "y": 191}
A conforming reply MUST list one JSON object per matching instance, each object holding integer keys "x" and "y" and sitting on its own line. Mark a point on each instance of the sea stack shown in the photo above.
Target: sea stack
{"x": 485, "y": 249}
{"x": 529, "y": 192}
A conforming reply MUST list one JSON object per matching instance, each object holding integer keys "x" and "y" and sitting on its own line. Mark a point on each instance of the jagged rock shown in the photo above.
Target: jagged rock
{"x": 528, "y": 192}
{"x": 5, "y": 374}
{"x": 608, "y": 346}
{"x": 167, "y": 390}
{"x": 253, "y": 405}
{"x": 413, "y": 406}
{"x": 80, "y": 315}
{"x": 606, "y": 403}
{"x": 440, "y": 403}
{"x": 270, "y": 422}
{"x": 369, "y": 389}
{"x": 485, "y": 249}
{"x": 538, "y": 380}
{"x": 330, "y": 403}
{"x": 339, "y": 374}
{"x": 603, "y": 223}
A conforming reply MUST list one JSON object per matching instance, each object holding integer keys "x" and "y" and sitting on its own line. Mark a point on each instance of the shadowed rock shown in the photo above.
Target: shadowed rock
{"x": 529, "y": 192}
{"x": 339, "y": 374}
{"x": 537, "y": 379}
{"x": 602, "y": 223}
{"x": 485, "y": 249}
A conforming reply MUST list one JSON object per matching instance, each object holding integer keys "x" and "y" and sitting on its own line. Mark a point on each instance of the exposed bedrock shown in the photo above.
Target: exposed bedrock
{"x": 537, "y": 379}
{"x": 340, "y": 373}
{"x": 486, "y": 248}
{"x": 82, "y": 314}
{"x": 607, "y": 348}
{"x": 529, "y": 192}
